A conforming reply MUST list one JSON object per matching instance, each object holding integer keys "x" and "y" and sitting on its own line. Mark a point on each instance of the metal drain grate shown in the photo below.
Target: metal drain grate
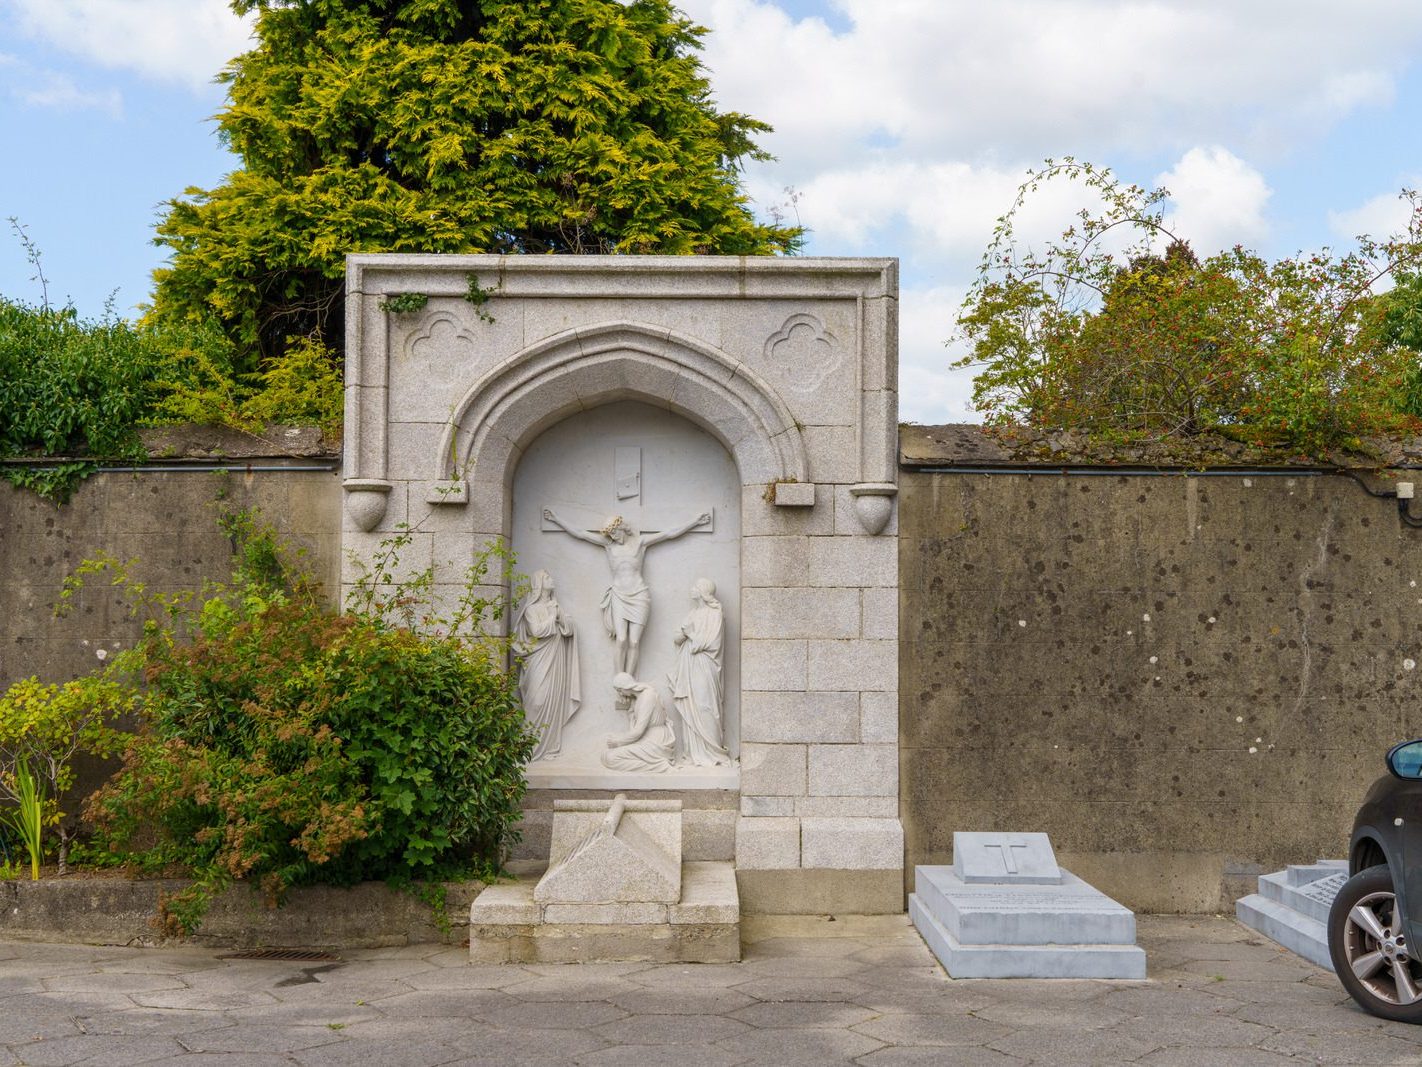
{"x": 294, "y": 955}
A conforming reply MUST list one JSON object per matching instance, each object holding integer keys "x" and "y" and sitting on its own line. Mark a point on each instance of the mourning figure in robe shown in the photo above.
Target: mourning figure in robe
{"x": 650, "y": 743}
{"x": 548, "y": 682}
{"x": 696, "y": 685}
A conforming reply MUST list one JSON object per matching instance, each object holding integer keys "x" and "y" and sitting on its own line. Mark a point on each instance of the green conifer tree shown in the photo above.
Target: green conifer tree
{"x": 504, "y": 126}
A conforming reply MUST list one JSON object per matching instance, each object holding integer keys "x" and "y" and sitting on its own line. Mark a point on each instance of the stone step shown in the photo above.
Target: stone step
{"x": 507, "y": 925}
{"x": 1024, "y": 961}
{"x": 1297, "y": 932}
{"x": 1311, "y": 898}
{"x": 1072, "y": 913}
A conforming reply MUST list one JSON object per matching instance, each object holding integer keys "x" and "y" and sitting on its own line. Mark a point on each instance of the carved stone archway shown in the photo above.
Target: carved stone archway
{"x": 584, "y": 368}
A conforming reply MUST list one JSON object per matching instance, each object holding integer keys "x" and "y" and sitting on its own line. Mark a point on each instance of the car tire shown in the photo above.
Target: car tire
{"x": 1371, "y": 954}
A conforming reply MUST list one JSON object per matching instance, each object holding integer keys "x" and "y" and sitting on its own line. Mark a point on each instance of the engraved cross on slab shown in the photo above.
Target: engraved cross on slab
{"x": 627, "y": 502}
{"x": 1023, "y": 859}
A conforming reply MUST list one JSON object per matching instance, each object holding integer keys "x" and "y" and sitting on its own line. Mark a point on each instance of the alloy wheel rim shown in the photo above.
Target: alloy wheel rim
{"x": 1377, "y": 950}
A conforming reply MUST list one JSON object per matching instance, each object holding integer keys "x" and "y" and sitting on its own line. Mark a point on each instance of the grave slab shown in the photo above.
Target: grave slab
{"x": 1006, "y": 910}
{"x": 623, "y": 853}
{"x": 1291, "y": 907}
{"x": 1025, "y": 961}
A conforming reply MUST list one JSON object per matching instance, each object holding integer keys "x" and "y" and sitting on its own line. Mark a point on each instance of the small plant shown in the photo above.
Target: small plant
{"x": 28, "y": 819}
{"x": 53, "y": 482}
{"x": 42, "y": 728}
{"x": 404, "y": 303}
{"x": 479, "y": 297}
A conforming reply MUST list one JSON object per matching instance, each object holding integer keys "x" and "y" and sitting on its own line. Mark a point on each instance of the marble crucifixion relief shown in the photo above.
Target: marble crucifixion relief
{"x": 654, "y": 694}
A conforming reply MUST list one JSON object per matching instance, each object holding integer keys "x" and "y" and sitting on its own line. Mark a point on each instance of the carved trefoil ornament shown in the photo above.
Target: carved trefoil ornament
{"x": 806, "y": 350}
{"x": 443, "y": 330}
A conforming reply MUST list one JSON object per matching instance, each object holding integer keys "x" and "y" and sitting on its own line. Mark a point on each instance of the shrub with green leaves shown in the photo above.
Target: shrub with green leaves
{"x": 284, "y": 743}
{"x": 70, "y": 386}
{"x": 1118, "y": 328}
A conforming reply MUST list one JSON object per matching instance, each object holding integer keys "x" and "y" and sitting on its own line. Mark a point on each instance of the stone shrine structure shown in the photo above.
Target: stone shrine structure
{"x": 696, "y": 460}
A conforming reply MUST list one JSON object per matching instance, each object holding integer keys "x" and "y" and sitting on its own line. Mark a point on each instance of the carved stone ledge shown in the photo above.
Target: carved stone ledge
{"x": 794, "y": 494}
{"x": 451, "y": 491}
{"x": 873, "y": 504}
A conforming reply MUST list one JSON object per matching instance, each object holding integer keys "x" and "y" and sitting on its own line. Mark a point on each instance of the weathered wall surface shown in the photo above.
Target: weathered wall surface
{"x": 167, "y": 521}
{"x": 1183, "y": 680}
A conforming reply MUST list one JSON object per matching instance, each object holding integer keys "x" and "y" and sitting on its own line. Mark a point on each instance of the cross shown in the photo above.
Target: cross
{"x": 1009, "y": 862}
{"x": 627, "y": 494}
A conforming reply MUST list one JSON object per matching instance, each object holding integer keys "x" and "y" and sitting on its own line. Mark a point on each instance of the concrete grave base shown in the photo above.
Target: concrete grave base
{"x": 506, "y": 924}
{"x": 1024, "y": 930}
{"x": 1291, "y": 907}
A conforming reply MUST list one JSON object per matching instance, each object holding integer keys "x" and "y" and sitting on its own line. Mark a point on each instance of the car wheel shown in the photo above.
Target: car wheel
{"x": 1368, "y": 941}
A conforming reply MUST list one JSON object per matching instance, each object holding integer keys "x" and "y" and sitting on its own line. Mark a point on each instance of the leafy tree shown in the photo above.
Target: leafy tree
{"x": 457, "y": 126}
{"x": 1402, "y": 327}
{"x": 1099, "y": 331}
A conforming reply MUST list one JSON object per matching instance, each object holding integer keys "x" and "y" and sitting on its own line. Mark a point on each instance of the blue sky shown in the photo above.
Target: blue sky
{"x": 903, "y": 127}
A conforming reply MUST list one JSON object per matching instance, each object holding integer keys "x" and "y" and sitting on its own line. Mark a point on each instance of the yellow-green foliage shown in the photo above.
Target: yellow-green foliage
{"x": 42, "y": 728}
{"x": 302, "y": 385}
{"x": 499, "y": 126}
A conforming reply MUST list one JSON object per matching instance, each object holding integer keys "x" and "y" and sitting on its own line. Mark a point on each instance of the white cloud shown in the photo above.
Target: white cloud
{"x": 1032, "y": 77}
{"x": 185, "y": 41}
{"x": 58, "y": 91}
{"x": 1380, "y": 216}
{"x": 929, "y": 391}
{"x": 1217, "y": 200}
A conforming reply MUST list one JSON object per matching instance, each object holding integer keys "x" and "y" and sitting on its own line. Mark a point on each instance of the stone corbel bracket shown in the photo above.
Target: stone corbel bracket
{"x": 873, "y": 504}
{"x": 365, "y": 501}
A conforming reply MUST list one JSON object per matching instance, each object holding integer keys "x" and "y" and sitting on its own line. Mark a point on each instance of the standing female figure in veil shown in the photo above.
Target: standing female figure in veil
{"x": 548, "y": 682}
{"x": 697, "y": 691}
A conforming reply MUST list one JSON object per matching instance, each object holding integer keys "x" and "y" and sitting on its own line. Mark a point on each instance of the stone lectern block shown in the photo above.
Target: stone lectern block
{"x": 1021, "y": 859}
{"x": 623, "y": 855}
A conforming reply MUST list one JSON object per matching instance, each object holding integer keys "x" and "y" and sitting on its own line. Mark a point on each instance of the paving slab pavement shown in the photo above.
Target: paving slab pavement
{"x": 809, "y": 991}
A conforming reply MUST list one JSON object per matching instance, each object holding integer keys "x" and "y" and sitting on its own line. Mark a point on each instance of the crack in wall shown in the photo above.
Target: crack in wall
{"x": 1305, "y": 606}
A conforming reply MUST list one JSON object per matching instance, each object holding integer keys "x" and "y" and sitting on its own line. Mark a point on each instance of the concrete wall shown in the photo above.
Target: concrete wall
{"x": 1183, "y": 680}
{"x": 168, "y": 522}
{"x": 1283, "y": 617}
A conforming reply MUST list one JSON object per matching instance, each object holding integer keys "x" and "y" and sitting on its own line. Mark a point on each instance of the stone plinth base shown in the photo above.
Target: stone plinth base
{"x": 1022, "y": 930}
{"x": 506, "y": 925}
{"x": 1291, "y": 907}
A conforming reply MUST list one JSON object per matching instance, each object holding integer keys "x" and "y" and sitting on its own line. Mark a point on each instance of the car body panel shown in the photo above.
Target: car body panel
{"x": 1390, "y": 816}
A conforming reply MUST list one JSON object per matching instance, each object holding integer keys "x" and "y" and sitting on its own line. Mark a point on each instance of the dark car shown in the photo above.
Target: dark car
{"x": 1376, "y": 919}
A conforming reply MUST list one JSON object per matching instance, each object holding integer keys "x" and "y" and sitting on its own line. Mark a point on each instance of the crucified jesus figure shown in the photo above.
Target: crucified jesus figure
{"x": 627, "y": 602}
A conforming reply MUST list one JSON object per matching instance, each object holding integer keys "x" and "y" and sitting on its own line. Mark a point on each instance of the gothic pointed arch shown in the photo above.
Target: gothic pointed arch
{"x": 590, "y": 366}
